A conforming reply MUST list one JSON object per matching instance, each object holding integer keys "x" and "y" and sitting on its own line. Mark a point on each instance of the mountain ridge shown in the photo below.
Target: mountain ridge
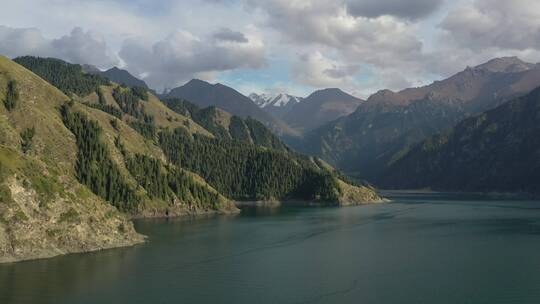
{"x": 388, "y": 124}
{"x": 205, "y": 94}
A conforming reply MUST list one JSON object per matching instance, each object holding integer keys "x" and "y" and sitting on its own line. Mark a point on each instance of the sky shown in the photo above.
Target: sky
{"x": 276, "y": 46}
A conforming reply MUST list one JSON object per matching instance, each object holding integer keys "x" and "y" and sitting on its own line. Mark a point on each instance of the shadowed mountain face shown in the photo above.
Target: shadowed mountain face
{"x": 205, "y": 94}
{"x": 320, "y": 108}
{"x": 388, "y": 124}
{"x": 495, "y": 151}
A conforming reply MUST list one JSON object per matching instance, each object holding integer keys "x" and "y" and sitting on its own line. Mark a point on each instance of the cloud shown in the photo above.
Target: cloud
{"x": 226, "y": 34}
{"x": 512, "y": 25}
{"x": 384, "y": 40}
{"x": 77, "y": 47}
{"x": 410, "y": 9}
{"x": 337, "y": 42}
{"x": 316, "y": 70}
{"x": 182, "y": 56}
{"x": 83, "y": 47}
{"x": 15, "y": 42}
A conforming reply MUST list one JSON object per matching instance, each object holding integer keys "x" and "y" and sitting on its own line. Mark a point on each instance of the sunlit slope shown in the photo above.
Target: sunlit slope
{"x": 44, "y": 210}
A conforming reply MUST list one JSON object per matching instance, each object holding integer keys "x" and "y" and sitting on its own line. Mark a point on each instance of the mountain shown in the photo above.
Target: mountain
{"x": 123, "y": 77}
{"x": 226, "y": 126}
{"x": 388, "y": 124}
{"x": 44, "y": 209}
{"x": 274, "y": 100}
{"x": 117, "y": 75}
{"x": 495, "y": 151}
{"x": 205, "y": 94}
{"x": 77, "y": 161}
{"x": 320, "y": 108}
{"x": 275, "y": 104}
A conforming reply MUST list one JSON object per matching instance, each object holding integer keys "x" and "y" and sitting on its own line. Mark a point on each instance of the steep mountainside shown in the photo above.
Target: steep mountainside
{"x": 44, "y": 209}
{"x": 205, "y": 94}
{"x": 320, "y": 108}
{"x": 73, "y": 167}
{"x": 498, "y": 150}
{"x": 388, "y": 124}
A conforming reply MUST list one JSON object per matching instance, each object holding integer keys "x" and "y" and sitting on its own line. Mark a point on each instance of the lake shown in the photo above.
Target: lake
{"x": 421, "y": 248}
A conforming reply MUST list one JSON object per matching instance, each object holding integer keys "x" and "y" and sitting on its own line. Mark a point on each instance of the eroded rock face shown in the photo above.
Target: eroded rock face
{"x": 357, "y": 195}
{"x": 33, "y": 227}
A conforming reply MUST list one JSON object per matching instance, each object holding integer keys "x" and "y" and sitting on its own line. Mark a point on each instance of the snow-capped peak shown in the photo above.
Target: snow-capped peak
{"x": 274, "y": 100}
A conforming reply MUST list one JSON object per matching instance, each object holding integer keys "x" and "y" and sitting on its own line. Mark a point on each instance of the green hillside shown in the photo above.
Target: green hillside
{"x": 44, "y": 210}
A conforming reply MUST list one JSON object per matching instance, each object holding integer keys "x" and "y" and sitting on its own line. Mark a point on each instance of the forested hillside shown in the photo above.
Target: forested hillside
{"x": 238, "y": 157}
{"x": 69, "y": 78}
{"x": 226, "y": 126}
{"x": 44, "y": 209}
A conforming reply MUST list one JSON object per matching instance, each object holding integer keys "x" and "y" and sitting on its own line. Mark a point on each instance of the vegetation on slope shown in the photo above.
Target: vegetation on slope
{"x": 226, "y": 126}
{"x": 240, "y": 158}
{"x": 12, "y": 95}
{"x": 94, "y": 167}
{"x": 248, "y": 172}
{"x": 44, "y": 210}
{"x": 69, "y": 78}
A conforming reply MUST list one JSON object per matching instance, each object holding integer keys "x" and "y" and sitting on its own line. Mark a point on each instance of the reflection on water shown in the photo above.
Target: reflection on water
{"x": 421, "y": 248}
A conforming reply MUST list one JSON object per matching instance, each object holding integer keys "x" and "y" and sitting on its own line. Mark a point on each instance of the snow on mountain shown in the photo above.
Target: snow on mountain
{"x": 274, "y": 100}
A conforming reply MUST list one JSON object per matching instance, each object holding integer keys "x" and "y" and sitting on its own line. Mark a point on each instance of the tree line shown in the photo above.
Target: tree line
{"x": 69, "y": 78}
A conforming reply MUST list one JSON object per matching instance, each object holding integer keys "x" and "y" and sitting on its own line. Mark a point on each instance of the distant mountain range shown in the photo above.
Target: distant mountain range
{"x": 274, "y": 100}
{"x": 205, "y": 94}
{"x": 389, "y": 124}
{"x": 311, "y": 112}
{"x": 320, "y": 108}
{"x": 495, "y": 151}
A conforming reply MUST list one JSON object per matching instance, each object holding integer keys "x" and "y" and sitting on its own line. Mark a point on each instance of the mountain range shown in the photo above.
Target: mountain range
{"x": 205, "y": 94}
{"x": 80, "y": 155}
{"x": 280, "y": 100}
{"x": 315, "y": 110}
{"x": 385, "y": 127}
{"x": 116, "y": 75}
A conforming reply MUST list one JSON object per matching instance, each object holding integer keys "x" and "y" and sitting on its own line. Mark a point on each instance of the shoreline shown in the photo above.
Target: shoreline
{"x": 48, "y": 254}
{"x": 485, "y": 195}
{"x": 301, "y": 203}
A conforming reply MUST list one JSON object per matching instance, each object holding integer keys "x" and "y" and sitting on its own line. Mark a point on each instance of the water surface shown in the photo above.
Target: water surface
{"x": 422, "y": 248}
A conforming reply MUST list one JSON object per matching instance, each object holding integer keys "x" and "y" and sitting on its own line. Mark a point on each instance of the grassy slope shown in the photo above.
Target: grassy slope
{"x": 44, "y": 211}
